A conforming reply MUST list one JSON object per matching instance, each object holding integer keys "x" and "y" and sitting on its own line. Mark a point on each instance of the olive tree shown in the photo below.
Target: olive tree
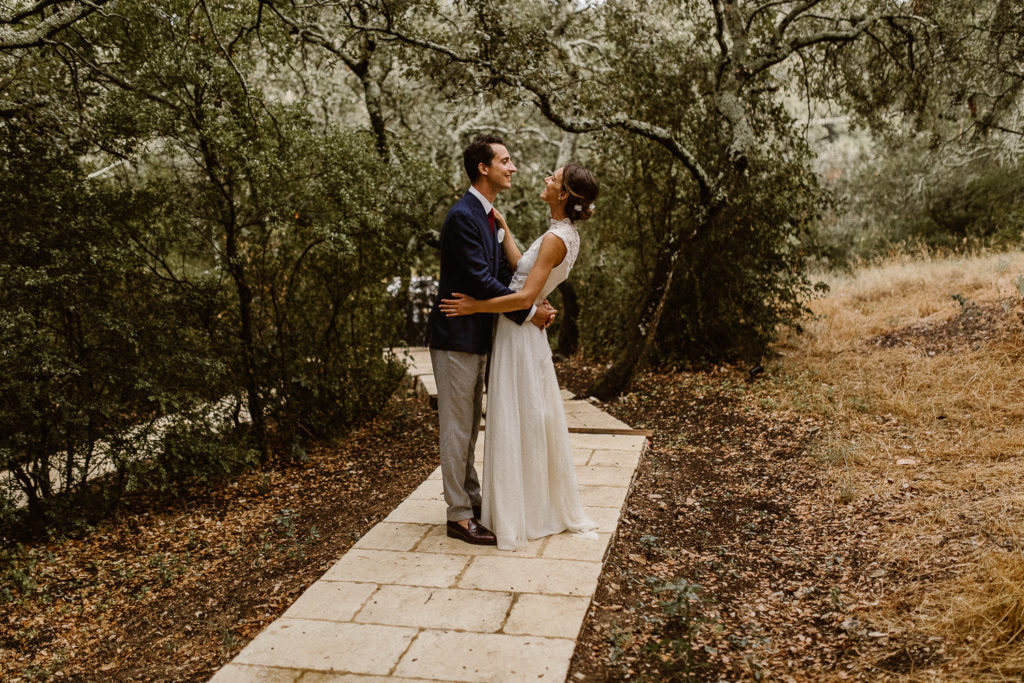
{"x": 702, "y": 80}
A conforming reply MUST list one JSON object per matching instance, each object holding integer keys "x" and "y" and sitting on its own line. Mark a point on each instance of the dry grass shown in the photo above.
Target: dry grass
{"x": 917, "y": 367}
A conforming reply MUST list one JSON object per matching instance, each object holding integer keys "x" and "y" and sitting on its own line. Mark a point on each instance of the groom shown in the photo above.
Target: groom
{"x": 472, "y": 262}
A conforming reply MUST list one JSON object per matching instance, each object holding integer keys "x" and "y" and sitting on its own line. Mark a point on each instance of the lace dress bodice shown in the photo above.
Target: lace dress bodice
{"x": 564, "y": 230}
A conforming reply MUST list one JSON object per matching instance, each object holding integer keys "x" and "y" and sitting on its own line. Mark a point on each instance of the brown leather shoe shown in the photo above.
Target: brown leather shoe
{"x": 476, "y": 533}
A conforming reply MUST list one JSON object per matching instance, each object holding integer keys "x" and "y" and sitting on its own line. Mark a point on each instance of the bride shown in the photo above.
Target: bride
{"x": 529, "y": 483}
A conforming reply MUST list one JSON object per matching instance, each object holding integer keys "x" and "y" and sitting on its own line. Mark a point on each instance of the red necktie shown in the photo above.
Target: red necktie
{"x": 490, "y": 220}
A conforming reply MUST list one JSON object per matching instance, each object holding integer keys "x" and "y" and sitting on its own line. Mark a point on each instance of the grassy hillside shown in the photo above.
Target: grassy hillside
{"x": 916, "y": 369}
{"x": 855, "y": 513}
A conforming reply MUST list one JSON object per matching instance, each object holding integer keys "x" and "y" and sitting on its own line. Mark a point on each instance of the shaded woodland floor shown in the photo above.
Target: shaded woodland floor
{"x": 172, "y": 589}
{"x": 855, "y": 513}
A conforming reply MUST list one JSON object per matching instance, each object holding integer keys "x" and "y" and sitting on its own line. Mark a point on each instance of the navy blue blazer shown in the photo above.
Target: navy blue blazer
{"x": 472, "y": 262}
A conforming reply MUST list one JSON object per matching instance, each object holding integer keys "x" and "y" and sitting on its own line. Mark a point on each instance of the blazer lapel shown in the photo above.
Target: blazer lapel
{"x": 484, "y": 226}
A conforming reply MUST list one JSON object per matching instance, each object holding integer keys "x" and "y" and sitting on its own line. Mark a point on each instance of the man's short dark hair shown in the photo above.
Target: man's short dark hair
{"x": 479, "y": 152}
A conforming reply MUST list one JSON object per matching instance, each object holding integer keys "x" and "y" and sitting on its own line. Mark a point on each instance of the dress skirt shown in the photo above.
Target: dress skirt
{"x": 529, "y": 481}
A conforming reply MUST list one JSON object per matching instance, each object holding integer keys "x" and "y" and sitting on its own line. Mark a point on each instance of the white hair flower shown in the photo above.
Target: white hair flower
{"x": 578, "y": 207}
{"x": 591, "y": 207}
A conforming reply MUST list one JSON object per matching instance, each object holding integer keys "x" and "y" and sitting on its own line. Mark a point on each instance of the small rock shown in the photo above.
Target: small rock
{"x": 877, "y": 574}
{"x": 906, "y": 461}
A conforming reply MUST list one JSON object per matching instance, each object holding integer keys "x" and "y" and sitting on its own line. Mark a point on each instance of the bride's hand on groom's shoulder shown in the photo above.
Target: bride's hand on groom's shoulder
{"x": 500, "y": 218}
{"x": 462, "y": 304}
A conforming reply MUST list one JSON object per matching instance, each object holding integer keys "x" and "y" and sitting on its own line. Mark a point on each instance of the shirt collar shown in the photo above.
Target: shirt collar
{"x": 483, "y": 200}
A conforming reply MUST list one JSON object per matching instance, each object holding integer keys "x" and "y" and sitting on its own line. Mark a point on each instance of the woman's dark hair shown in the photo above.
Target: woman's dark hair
{"x": 479, "y": 152}
{"x": 582, "y": 189}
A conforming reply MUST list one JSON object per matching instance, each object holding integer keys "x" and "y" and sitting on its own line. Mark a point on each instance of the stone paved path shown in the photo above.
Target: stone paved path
{"x": 407, "y": 603}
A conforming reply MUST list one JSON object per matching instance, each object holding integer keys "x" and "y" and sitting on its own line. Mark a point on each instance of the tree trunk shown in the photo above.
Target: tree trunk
{"x": 247, "y": 338}
{"x": 569, "y": 332}
{"x": 620, "y": 374}
{"x": 23, "y": 475}
{"x": 372, "y": 98}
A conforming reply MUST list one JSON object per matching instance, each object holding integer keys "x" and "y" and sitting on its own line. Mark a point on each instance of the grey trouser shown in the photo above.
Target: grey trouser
{"x": 460, "y": 392}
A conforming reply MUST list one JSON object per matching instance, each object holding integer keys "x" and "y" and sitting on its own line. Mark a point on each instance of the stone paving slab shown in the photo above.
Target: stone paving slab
{"x": 577, "y": 547}
{"x": 438, "y": 608}
{"x": 532, "y": 575}
{"x": 329, "y": 646}
{"x": 394, "y": 536}
{"x": 553, "y": 616}
{"x": 604, "y": 476}
{"x": 614, "y": 458}
{"x": 407, "y": 603}
{"x": 603, "y": 496}
{"x": 455, "y": 656}
{"x": 331, "y": 601}
{"x": 244, "y": 673}
{"x": 415, "y": 510}
{"x": 401, "y": 568}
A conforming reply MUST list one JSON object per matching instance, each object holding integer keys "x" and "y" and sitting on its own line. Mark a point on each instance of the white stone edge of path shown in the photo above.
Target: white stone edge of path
{"x": 406, "y": 603}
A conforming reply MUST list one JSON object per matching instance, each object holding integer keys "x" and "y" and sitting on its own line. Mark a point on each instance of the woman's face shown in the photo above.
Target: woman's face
{"x": 553, "y": 193}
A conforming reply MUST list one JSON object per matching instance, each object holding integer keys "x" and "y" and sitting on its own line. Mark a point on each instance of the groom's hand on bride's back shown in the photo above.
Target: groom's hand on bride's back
{"x": 545, "y": 315}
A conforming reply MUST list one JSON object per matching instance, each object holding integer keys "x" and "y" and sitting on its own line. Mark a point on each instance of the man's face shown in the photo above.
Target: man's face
{"x": 499, "y": 173}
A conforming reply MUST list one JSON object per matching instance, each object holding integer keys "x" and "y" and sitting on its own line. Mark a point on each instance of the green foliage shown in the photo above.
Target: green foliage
{"x": 699, "y": 247}
{"x": 923, "y": 196}
{"x": 734, "y": 284}
{"x": 217, "y": 293}
{"x": 193, "y": 452}
{"x": 85, "y": 334}
{"x": 681, "y": 661}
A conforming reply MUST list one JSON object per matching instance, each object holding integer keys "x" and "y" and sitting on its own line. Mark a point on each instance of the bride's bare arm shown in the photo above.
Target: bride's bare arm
{"x": 512, "y": 253}
{"x": 552, "y": 252}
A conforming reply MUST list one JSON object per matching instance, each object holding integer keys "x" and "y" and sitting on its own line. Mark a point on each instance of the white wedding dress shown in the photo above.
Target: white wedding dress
{"x": 529, "y": 482}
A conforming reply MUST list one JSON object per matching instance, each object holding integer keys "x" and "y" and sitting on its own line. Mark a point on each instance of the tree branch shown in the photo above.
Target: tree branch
{"x": 720, "y": 30}
{"x": 763, "y": 8}
{"x": 27, "y": 12}
{"x": 787, "y": 48}
{"x": 231, "y": 62}
{"x": 570, "y": 124}
{"x": 12, "y": 38}
{"x": 793, "y": 15}
{"x": 312, "y": 35}
{"x": 112, "y": 77}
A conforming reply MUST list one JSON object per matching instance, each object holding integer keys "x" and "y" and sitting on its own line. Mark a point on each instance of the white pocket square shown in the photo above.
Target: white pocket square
{"x": 501, "y": 234}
